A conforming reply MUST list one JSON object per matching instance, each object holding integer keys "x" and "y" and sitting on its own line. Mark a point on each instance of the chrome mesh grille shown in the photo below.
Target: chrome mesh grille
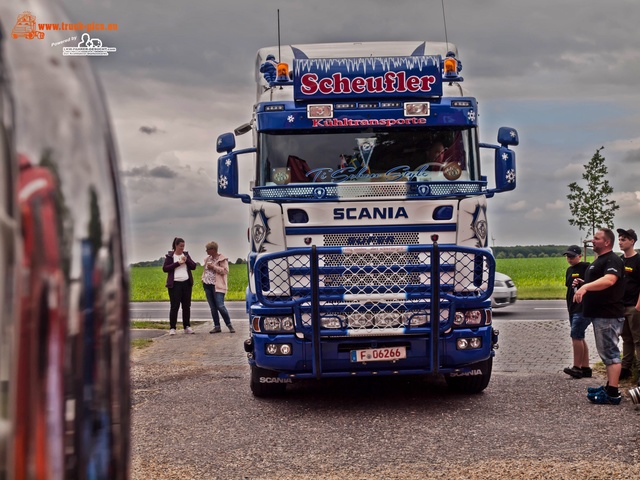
{"x": 351, "y": 239}
{"x": 380, "y": 288}
{"x": 369, "y": 190}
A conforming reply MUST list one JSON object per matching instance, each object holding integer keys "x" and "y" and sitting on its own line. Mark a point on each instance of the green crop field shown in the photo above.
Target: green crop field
{"x": 536, "y": 278}
{"x": 147, "y": 284}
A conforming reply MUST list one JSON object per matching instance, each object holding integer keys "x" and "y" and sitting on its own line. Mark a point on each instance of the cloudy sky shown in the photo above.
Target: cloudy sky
{"x": 563, "y": 72}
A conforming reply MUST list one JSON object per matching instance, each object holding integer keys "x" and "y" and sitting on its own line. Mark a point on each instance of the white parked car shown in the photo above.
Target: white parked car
{"x": 504, "y": 291}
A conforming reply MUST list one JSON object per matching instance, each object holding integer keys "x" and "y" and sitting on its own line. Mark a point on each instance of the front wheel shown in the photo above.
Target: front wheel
{"x": 474, "y": 381}
{"x": 265, "y": 383}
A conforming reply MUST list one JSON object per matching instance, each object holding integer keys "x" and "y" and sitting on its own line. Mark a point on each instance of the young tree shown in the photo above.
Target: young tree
{"x": 590, "y": 207}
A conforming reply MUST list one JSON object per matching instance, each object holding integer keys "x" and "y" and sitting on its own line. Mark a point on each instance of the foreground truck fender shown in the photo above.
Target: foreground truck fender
{"x": 368, "y": 216}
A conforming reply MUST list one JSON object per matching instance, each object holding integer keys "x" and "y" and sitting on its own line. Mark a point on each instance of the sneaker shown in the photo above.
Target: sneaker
{"x": 215, "y": 330}
{"x": 188, "y": 330}
{"x": 603, "y": 398}
{"x": 231, "y": 329}
{"x": 592, "y": 390}
{"x": 172, "y": 331}
{"x": 625, "y": 373}
{"x": 587, "y": 372}
{"x": 575, "y": 372}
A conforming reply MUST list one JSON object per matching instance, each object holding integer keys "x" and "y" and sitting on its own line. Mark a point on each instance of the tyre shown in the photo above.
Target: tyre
{"x": 473, "y": 382}
{"x": 265, "y": 383}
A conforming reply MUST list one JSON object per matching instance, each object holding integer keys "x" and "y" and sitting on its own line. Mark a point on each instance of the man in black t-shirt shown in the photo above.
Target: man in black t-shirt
{"x": 601, "y": 296}
{"x": 631, "y": 328}
{"x": 574, "y": 277}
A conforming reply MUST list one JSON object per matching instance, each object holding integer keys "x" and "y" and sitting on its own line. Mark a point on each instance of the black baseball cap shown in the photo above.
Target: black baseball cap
{"x": 573, "y": 250}
{"x": 628, "y": 233}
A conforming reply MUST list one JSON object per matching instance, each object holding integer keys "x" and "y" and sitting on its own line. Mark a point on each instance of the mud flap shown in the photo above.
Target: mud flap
{"x": 266, "y": 383}
{"x": 473, "y": 381}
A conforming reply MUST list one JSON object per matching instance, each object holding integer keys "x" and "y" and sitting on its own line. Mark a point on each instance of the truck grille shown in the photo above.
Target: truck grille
{"x": 373, "y": 289}
{"x": 346, "y": 190}
{"x": 371, "y": 239}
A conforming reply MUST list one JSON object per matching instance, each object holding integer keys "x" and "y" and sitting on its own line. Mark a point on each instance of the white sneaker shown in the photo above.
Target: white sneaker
{"x": 172, "y": 331}
{"x": 188, "y": 330}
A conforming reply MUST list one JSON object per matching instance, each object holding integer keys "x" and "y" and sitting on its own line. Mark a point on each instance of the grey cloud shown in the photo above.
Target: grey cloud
{"x": 148, "y": 130}
{"x": 632, "y": 156}
{"x": 161, "y": 171}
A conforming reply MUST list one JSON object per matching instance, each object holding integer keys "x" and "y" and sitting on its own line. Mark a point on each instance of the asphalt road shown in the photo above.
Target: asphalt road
{"x": 521, "y": 310}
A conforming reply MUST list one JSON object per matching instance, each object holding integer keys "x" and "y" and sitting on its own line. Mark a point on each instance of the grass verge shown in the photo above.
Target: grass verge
{"x": 535, "y": 278}
{"x": 159, "y": 325}
{"x": 140, "y": 343}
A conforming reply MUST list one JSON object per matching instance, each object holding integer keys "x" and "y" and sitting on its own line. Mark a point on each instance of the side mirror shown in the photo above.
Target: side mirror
{"x": 508, "y": 136}
{"x": 228, "y": 174}
{"x": 226, "y": 142}
{"x": 505, "y": 160}
{"x": 505, "y": 164}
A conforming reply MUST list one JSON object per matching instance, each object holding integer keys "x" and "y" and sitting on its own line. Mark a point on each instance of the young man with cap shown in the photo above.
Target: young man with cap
{"x": 601, "y": 294}
{"x": 575, "y": 275}
{"x": 631, "y": 328}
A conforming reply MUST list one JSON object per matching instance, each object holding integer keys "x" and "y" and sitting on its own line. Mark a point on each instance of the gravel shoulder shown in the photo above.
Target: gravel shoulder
{"x": 194, "y": 417}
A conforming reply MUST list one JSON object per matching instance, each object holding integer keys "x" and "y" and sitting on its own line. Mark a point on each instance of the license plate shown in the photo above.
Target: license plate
{"x": 387, "y": 354}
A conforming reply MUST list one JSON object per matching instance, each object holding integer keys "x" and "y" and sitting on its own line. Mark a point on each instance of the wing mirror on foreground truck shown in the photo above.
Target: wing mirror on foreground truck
{"x": 228, "y": 167}
{"x": 505, "y": 160}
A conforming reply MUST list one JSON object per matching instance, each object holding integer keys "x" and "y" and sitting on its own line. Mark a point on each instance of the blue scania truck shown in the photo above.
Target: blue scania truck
{"x": 368, "y": 216}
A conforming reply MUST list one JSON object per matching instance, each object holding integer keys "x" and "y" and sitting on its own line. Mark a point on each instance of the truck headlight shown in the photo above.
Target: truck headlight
{"x": 278, "y": 349}
{"x": 287, "y": 324}
{"x": 473, "y": 317}
{"x": 330, "y": 322}
{"x": 469, "y": 317}
{"x": 387, "y": 320}
{"x": 415, "y": 320}
{"x": 360, "y": 320}
{"x": 278, "y": 324}
{"x": 472, "y": 343}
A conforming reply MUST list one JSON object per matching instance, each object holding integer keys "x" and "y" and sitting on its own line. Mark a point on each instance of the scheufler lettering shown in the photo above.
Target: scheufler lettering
{"x": 390, "y": 82}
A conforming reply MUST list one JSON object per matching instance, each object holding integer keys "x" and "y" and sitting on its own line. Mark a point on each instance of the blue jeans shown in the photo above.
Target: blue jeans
{"x": 216, "y": 304}
{"x": 607, "y": 332}
{"x": 579, "y": 325}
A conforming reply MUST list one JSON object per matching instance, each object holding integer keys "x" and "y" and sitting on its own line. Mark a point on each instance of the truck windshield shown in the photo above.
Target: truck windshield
{"x": 434, "y": 154}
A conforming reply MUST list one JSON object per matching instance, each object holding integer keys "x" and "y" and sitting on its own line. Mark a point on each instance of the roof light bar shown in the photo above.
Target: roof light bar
{"x": 345, "y": 106}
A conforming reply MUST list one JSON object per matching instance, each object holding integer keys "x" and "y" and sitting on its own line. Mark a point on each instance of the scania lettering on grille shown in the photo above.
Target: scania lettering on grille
{"x": 376, "y": 213}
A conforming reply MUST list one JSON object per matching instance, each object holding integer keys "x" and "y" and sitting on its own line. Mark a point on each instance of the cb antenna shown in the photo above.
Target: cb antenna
{"x": 279, "y": 34}
{"x": 444, "y": 19}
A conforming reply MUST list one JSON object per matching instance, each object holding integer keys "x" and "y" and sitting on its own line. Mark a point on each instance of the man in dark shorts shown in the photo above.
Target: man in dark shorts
{"x": 601, "y": 295}
{"x": 574, "y": 278}
{"x": 631, "y": 328}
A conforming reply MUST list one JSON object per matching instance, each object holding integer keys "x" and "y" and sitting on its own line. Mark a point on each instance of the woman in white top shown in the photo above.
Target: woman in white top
{"x": 178, "y": 265}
